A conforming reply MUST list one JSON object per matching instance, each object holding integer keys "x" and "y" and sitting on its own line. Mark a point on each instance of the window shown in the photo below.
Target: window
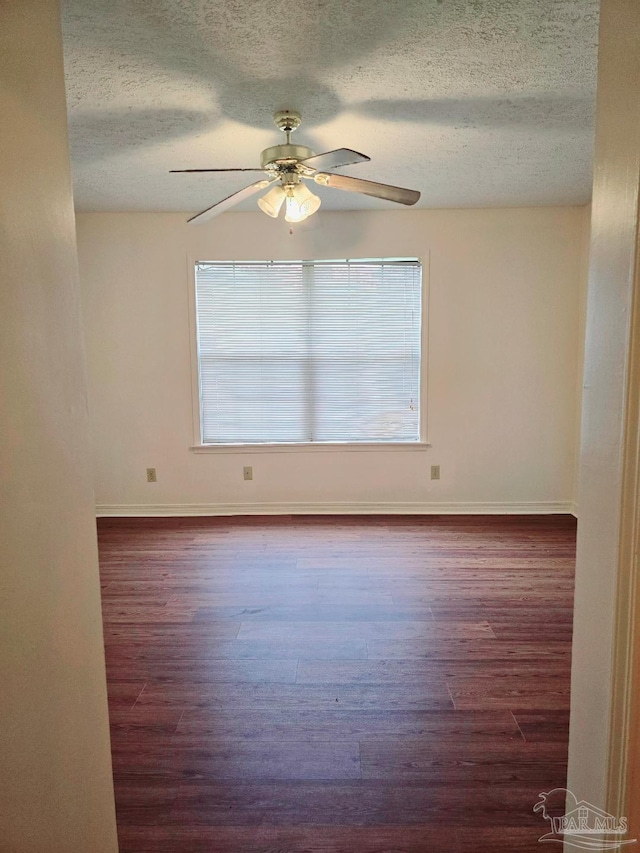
{"x": 309, "y": 352}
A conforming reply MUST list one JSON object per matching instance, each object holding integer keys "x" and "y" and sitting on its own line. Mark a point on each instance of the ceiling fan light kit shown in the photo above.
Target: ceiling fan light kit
{"x": 290, "y": 165}
{"x": 271, "y": 202}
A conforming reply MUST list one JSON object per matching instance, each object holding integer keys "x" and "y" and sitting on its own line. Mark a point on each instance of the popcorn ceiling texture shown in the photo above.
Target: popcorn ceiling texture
{"x": 473, "y": 102}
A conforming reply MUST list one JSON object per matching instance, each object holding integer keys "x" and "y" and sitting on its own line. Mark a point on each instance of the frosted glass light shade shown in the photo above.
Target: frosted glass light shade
{"x": 271, "y": 202}
{"x": 301, "y": 203}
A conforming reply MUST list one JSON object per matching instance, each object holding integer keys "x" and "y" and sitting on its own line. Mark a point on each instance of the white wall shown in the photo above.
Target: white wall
{"x": 56, "y": 792}
{"x": 610, "y": 297}
{"x": 503, "y": 356}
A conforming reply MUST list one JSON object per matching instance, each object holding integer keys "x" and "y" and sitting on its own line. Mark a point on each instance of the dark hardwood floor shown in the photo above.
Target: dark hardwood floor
{"x": 336, "y": 685}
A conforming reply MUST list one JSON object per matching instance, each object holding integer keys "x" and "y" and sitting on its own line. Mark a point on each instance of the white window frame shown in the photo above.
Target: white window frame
{"x": 320, "y": 447}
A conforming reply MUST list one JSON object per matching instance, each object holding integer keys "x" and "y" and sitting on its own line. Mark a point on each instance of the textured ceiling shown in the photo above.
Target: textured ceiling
{"x": 473, "y": 102}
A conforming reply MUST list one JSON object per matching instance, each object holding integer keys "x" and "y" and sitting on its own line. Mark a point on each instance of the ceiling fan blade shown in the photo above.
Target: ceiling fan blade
{"x": 335, "y": 159}
{"x": 230, "y": 201}
{"x": 181, "y": 171}
{"x": 356, "y": 185}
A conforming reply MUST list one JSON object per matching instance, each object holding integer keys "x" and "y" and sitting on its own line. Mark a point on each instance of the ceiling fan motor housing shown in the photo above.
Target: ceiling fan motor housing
{"x": 278, "y": 155}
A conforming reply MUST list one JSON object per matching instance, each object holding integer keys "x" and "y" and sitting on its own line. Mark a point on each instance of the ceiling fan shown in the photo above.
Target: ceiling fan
{"x": 288, "y": 166}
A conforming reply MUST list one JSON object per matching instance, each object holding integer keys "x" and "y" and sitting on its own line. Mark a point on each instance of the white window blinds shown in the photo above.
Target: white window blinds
{"x": 309, "y": 351}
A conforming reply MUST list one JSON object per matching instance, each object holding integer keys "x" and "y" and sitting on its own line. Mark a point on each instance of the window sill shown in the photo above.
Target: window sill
{"x": 368, "y": 447}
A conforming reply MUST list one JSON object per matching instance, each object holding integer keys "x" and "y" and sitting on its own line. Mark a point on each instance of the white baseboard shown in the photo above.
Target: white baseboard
{"x": 337, "y": 508}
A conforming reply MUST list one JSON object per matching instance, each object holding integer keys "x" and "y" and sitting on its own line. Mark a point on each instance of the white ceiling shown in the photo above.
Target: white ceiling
{"x": 473, "y": 102}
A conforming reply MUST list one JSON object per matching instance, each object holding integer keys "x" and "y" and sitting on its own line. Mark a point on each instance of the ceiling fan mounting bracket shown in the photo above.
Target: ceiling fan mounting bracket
{"x": 287, "y": 120}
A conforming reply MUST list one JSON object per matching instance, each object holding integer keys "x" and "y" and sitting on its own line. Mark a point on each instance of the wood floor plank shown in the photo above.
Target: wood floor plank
{"x": 220, "y": 649}
{"x": 398, "y": 671}
{"x": 347, "y": 725}
{"x": 467, "y": 650}
{"x": 426, "y": 696}
{"x": 304, "y": 839}
{"x": 544, "y": 726}
{"x": 185, "y": 757}
{"x": 489, "y": 840}
{"x": 535, "y": 694}
{"x": 160, "y": 634}
{"x": 486, "y": 758}
{"x": 405, "y": 630}
{"x": 124, "y": 694}
{"x": 143, "y": 800}
{"x": 189, "y": 672}
{"x": 136, "y": 723}
{"x": 348, "y": 802}
{"x": 337, "y": 611}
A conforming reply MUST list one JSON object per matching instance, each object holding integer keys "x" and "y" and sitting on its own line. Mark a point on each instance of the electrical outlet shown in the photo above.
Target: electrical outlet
{"x": 247, "y": 472}
{"x": 151, "y": 475}
{"x": 435, "y": 472}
